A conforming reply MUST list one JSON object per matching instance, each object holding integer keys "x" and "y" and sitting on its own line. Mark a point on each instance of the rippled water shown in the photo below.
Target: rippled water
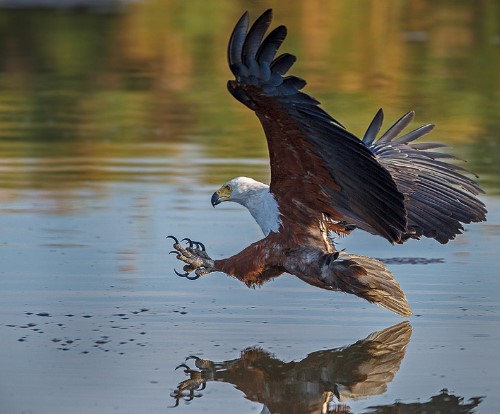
{"x": 115, "y": 129}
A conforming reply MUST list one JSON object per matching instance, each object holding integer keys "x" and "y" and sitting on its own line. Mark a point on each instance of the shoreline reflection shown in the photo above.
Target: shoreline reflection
{"x": 323, "y": 382}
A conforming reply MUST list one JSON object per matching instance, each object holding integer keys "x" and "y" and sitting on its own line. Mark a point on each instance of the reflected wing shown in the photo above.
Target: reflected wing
{"x": 358, "y": 370}
{"x": 439, "y": 196}
{"x": 316, "y": 165}
{"x": 370, "y": 364}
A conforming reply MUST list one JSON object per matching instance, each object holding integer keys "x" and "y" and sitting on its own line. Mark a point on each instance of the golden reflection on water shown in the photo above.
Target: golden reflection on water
{"x": 82, "y": 90}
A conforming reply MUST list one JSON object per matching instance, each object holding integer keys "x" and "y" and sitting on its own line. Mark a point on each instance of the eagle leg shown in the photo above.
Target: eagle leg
{"x": 196, "y": 258}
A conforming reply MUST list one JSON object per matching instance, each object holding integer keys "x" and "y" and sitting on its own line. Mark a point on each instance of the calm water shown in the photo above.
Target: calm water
{"x": 115, "y": 129}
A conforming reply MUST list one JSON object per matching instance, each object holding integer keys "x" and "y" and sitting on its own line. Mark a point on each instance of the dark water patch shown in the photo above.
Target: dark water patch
{"x": 444, "y": 402}
{"x": 412, "y": 260}
{"x": 63, "y": 245}
{"x": 104, "y": 342}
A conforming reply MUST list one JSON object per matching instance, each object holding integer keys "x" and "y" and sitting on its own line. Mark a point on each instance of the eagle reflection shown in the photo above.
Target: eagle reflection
{"x": 320, "y": 383}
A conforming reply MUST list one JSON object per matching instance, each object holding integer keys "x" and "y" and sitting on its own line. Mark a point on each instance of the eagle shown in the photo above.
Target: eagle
{"x": 326, "y": 182}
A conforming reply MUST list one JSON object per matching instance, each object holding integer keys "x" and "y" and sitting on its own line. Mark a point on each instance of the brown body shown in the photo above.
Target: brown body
{"x": 305, "y": 255}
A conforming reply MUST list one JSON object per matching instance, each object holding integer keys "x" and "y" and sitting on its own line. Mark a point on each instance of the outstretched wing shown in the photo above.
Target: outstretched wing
{"x": 439, "y": 196}
{"x": 316, "y": 165}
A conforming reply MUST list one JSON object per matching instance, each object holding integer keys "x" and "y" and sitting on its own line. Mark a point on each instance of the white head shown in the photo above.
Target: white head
{"x": 239, "y": 189}
{"x": 255, "y": 196}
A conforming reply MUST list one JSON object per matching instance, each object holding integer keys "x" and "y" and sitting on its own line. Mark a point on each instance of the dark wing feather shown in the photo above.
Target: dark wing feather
{"x": 268, "y": 49}
{"x": 398, "y": 126}
{"x": 255, "y": 36}
{"x": 316, "y": 165}
{"x": 282, "y": 64}
{"x": 236, "y": 40}
{"x": 374, "y": 128}
{"x": 439, "y": 196}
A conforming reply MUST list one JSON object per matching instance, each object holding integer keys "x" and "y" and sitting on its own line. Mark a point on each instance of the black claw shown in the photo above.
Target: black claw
{"x": 200, "y": 245}
{"x": 182, "y": 366}
{"x": 186, "y": 275}
{"x": 173, "y": 251}
{"x": 192, "y": 357}
{"x": 173, "y": 238}
{"x": 181, "y": 274}
{"x": 189, "y": 241}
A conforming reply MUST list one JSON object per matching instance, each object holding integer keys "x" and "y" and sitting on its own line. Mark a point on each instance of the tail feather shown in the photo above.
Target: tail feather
{"x": 369, "y": 279}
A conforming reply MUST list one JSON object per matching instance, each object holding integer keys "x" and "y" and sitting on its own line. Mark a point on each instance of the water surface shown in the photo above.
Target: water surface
{"x": 115, "y": 129}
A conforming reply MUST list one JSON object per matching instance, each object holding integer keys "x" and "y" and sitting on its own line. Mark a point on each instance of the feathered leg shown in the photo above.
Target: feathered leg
{"x": 253, "y": 265}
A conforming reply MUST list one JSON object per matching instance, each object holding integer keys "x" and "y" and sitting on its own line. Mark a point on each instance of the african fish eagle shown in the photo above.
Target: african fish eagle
{"x": 326, "y": 182}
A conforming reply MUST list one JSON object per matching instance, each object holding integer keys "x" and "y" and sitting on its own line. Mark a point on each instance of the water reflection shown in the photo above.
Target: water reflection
{"x": 78, "y": 87}
{"x": 438, "y": 404}
{"x": 323, "y": 382}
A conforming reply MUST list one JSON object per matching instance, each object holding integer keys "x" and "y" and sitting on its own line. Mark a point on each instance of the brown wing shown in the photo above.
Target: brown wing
{"x": 316, "y": 165}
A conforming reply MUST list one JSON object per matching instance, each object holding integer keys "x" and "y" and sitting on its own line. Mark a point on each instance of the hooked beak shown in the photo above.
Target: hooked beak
{"x": 222, "y": 194}
{"x": 215, "y": 199}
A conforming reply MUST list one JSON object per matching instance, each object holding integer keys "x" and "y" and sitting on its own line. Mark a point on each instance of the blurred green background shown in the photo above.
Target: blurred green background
{"x": 86, "y": 82}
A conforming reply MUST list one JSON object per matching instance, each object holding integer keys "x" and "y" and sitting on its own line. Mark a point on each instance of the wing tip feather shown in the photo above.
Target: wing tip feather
{"x": 239, "y": 32}
{"x": 440, "y": 196}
